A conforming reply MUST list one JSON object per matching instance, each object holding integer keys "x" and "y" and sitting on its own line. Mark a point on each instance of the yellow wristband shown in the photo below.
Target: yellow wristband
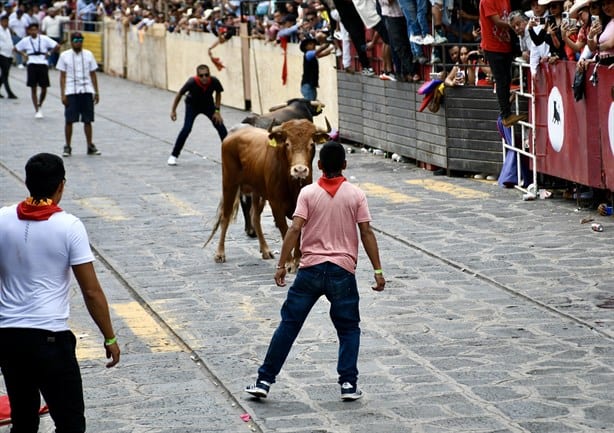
{"x": 378, "y": 271}
{"x": 110, "y": 341}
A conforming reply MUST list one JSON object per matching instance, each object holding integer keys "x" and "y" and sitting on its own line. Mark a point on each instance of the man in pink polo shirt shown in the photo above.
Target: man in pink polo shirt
{"x": 326, "y": 218}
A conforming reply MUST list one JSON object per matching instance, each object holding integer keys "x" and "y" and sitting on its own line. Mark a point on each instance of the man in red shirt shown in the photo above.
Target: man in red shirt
{"x": 497, "y": 47}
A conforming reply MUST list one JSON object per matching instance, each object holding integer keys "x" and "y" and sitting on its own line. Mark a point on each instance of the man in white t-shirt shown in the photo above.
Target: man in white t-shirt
{"x": 52, "y": 27}
{"x": 39, "y": 246}
{"x": 36, "y": 48}
{"x": 330, "y": 214}
{"x": 78, "y": 90}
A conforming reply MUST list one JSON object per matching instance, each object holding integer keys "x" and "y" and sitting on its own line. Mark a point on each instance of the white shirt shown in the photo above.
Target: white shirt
{"x": 52, "y": 26}
{"x": 77, "y": 67}
{"x": 6, "y": 42}
{"x": 35, "y": 265}
{"x": 19, "y": 25}
{"x": 41, "y": 44}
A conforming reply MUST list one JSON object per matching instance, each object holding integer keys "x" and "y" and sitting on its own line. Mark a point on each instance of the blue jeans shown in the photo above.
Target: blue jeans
{"x": 339, "y": 287}
{"x": 35, "y": 362}
{"x": 309, "y": 92}
{"x": 415, "y": 12}
{"x": 190, "y": 116}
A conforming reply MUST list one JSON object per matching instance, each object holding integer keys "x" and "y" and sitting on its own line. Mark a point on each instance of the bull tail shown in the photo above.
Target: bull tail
{"x": 220, "y": 213}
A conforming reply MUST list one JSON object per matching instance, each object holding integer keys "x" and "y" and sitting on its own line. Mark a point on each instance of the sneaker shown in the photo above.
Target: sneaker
{"x": 422, "y": 60}
{"x": 172, "y": 160}
{"x": 368, "y": 72}
{"x": 350, "y": 392}
{"x": 428, "y": 40}
{"x": 439, "y": 39}
{"x": 337, "y": 35}
{"x": 512, "y": 119}
{"x": 67, "y": 151}
{"x": 491, "y": 177}
{"x": 435, "y": 58}
{"x": 92, "y": 150}
{"x": 20, "y": 66}
{"x": 39, "y": 115}
{"x": 416, "y": 39}
{"x": 260, "y": 389}
{"x": 387, "y": 76}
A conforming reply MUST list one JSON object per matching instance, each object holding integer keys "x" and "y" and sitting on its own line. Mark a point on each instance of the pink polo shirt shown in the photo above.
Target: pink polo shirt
{"x": 330, "y": 233}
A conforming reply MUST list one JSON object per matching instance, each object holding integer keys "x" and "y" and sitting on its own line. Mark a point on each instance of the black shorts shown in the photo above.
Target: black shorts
{"x": 80, "y": 108}
{"x": 38, "y": 75}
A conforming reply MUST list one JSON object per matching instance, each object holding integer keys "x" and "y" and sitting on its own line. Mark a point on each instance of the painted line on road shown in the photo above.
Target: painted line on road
{"x": 104, "y": 207}
{"x": 448, "y": 188}
{"x": 387, "y": 193}
{"x": 166, "y": 198}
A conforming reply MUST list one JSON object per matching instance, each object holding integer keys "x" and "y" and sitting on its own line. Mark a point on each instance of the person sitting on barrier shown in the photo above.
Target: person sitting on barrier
{"x": 602, "y": 41}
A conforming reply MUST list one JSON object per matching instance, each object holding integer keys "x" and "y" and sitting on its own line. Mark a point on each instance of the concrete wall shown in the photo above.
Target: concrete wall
{"x": 165, "y": 60}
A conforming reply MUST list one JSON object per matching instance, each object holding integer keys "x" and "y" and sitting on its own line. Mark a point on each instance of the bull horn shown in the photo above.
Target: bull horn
{"x": 273, "y": 127}
{"x": 317, "y": 104}
{"x": 328, "y": 128}
{"x": 277, "y": 107}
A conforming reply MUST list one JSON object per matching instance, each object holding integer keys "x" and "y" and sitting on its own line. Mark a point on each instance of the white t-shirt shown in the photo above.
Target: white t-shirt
{"x": 77, "y": 67}
{"x": 52, "y": 26}
{"x": 41, "y": 44}
{"x": 35, "y": 266}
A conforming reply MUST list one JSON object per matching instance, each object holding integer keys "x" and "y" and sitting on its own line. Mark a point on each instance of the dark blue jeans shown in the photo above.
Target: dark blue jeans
{"x": 339, "y": 287}
{"x": 190, "y": 115}
{"x": 35, "y": 362}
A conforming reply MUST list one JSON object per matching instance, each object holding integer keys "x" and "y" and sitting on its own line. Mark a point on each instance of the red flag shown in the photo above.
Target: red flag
{"x": 217, "y": 62}
{"x": 284, "y": 68}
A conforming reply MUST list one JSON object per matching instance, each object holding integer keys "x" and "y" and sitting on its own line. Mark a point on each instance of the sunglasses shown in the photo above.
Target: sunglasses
{"x": 203, "y": 75}
{"x": 77, "y": 39}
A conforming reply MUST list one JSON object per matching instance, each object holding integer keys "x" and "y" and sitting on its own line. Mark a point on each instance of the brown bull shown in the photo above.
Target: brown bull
{"x": 271, "y": 165}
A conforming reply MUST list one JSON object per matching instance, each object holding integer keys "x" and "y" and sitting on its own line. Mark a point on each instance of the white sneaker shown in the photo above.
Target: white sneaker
{"x": 416, "y": 39}
{"x": 368, "y": 72}
{"x": 39, "y": 115}
{"x": 171, "y": 160}
{"x": 387, "y": 76}
{"x": 438, "y": 40}
{"x": 520, "y": 60}
{"x": 20, "y": 66}
{"x": 427, "y": 40}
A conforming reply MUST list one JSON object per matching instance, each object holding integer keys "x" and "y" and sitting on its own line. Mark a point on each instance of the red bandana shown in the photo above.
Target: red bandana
{"x": 331, "y": 185}
{"x": 200, "y": 84}
{"x": 41, "y": 211}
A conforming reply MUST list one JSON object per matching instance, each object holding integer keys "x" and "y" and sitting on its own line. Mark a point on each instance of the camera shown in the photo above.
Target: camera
{"x": 473, "y": 57}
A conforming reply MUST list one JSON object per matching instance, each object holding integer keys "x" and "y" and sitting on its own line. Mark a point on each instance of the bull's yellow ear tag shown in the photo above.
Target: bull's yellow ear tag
{"x": 273, "y": 142}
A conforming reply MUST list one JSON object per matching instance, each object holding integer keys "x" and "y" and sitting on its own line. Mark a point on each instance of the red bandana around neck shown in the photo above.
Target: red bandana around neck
{"x": 41, "y": 211}
{"x": 200, "y": 84}
{"x": 331, "y": 185}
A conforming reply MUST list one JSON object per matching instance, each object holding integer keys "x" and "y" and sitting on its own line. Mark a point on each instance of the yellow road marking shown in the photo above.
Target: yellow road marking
{"x": 144, "y": 327}
{"x": 103, "y": 206}
{"x": 448, "y": 188}
{"x": 387, "y": 193}
{"x": 184, "y": 208}
{"x": 135, "y": 320}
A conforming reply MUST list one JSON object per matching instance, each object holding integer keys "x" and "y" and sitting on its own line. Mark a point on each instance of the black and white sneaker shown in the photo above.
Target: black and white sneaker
{"x": 259, "y": 390}
{"x": 67, "y": 151}
{"x": 350, "y": 392}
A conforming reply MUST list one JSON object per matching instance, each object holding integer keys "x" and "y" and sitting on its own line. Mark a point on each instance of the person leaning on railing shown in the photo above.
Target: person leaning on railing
{"x": 601, "y": 34}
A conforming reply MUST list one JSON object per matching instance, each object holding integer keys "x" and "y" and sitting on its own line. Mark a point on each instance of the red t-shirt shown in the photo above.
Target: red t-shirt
{"x": 494, "y": 38}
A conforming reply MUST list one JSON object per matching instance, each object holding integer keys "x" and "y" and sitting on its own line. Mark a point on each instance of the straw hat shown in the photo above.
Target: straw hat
{"x": 577, "y": 6}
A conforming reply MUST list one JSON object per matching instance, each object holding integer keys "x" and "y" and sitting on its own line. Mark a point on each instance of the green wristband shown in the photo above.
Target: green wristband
{"x": 110, "y": 341}
{"x": 378, "y": 272}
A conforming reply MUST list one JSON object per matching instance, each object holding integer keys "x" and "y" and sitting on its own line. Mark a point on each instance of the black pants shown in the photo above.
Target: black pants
{"x": 5, "y": 66}
{"x": 355, "y": 27}
{"x": 190, "y": 116}
{"x": 501, "y": 68}
{"x": 35, "y": 362}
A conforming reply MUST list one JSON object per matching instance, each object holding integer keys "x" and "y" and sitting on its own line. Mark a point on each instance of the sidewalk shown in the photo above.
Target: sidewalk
{"x": 490, "y": 321}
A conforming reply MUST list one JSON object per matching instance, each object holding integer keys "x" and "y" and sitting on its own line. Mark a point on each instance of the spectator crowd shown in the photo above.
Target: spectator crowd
{"x": 397, "y": 36}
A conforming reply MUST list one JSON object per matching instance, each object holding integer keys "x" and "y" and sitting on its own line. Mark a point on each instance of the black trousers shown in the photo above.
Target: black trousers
{"x": 5, "y": 66}
{"x": 36, "y": 362}
{"x": 355, "y": 27}
{"x": 501, "y": 68}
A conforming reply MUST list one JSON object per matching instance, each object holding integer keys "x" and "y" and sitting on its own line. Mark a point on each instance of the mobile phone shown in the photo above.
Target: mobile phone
{"x": 594, "y": 19}
{"x": 565, "y": 17}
